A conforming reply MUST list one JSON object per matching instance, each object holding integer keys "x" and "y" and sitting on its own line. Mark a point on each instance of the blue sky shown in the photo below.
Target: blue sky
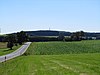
{"x": 66, "y": 15}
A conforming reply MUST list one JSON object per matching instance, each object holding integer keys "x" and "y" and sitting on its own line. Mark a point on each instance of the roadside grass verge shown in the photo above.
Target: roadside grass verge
{"x": 70, "y": 64}
{"x": 4, "y": 50}
{"x": 56, "y": 48}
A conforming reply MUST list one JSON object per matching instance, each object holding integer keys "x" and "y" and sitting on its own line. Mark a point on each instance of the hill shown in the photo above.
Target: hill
{"x": 87, "y": 35}
{"x": 47, "y": 33}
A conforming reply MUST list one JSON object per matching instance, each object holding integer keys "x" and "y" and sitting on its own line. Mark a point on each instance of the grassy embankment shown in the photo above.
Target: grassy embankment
{"x": 4, "y": 50}
{"x": 87, "y": 62}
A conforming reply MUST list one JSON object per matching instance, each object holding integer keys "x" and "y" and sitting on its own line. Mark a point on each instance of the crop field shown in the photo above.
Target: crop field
{"x": 4, "y": 50}
{"x": 56, "y": 58}
{"x": 55, "y": 48}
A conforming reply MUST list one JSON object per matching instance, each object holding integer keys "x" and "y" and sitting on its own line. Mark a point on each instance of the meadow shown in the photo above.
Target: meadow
{"x": 70, "y": 64}
{"x": 4, "y": 50}
{"x": 56, "y": 58}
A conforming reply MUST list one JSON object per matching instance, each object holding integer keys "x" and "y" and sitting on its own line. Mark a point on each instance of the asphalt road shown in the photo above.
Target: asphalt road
{"x": 16, "y": 53}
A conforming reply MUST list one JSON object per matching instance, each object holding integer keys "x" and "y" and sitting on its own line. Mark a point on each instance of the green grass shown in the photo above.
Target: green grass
{"x": 70, "y": 64}
{"x": 55, "y": 48}
{"x": 56, "y": 58}
{"x": 4, "y": 50}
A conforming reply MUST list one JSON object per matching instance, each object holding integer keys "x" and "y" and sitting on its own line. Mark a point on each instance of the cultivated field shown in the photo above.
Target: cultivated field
{"x": 4, "y": 50}
{"x": 55, "y": 48}
{"x": 56, "y": 58}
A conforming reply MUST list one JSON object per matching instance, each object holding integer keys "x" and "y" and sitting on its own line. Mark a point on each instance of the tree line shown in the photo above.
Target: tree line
{"x": 21, "y": 37}
{"x": 75, "y": 36}
{"x": 15, "y": 39}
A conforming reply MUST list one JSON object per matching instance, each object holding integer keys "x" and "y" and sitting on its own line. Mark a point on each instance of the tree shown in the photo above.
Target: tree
{"x": 22, "y": 37}
{"x": 82, "y": 33}
{"x": 61, "y": 36}
{"x": 77, "y": 35}
{"x": 10, "y": 45}
{"x": 11, "y": 40}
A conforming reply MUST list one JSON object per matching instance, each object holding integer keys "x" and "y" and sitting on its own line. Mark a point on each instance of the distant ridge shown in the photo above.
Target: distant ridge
{"x": 47, "y": 33}
{"x": 87, "y": 35}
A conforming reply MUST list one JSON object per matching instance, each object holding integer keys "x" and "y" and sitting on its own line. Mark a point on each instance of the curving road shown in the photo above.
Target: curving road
{"x": 16, "y": 53}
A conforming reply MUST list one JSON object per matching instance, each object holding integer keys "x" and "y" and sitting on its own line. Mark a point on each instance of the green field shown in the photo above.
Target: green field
{"x": 55, "y": 48}
{"x": 70, "y": 64}
{"x": 48, "y": 58}
{"x": 4, "y": 50}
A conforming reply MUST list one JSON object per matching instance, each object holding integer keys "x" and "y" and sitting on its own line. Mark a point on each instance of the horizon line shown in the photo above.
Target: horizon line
{"x": 50, "y": 30}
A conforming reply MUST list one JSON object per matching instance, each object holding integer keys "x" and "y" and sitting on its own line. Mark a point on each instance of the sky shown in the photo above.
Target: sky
{"x": 64, "y": 15}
